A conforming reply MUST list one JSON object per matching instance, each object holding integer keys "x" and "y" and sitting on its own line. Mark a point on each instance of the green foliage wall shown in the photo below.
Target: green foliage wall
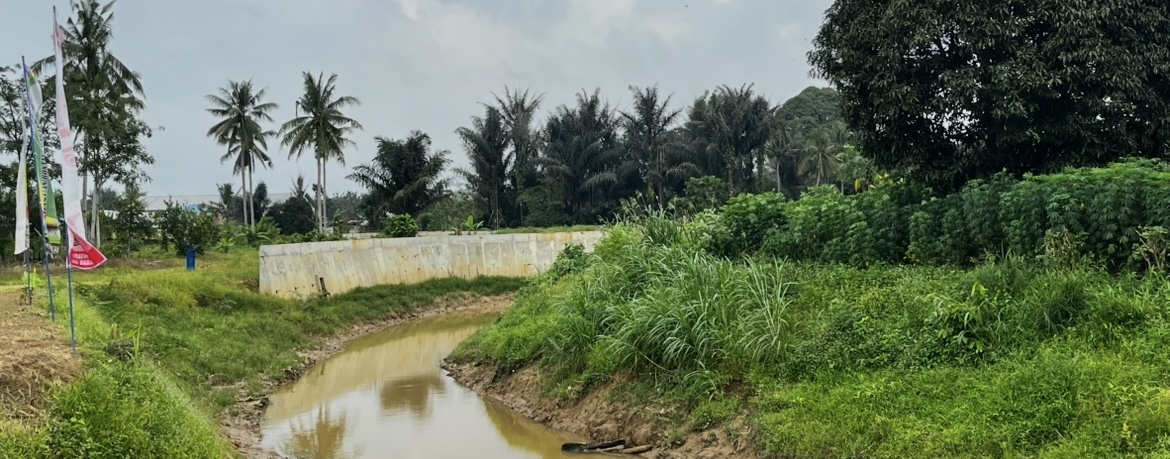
{"x": 1095, "y": 213}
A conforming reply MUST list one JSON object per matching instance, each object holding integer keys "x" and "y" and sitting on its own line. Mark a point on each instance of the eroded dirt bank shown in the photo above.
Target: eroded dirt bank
{"x": 35, "y": 358}
{"x": 595, "y": 416}
{"x": 241, "y": 422}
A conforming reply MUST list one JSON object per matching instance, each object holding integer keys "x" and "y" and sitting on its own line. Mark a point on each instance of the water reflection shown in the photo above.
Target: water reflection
{"x": 411, "y": 394}
{"x": 320, "y": 440}
{"x": 385, "y": 396}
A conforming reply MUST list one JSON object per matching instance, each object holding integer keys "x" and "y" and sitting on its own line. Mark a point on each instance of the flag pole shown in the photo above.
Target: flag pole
{"x": 69, "y": 286}
{"x": 32, "y": 121}
{"x": 28, "y": 278}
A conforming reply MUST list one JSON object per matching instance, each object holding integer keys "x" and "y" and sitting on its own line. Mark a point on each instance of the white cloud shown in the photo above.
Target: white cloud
{"x": 590, "y": 22}
{"x": 668, "y": 27}
{"x": 788, "y": 30}
{"x": 411, "y": 8}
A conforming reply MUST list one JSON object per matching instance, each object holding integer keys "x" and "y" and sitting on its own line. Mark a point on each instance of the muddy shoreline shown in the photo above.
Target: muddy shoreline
{"x": 596, "y": 417}
{"x": 240, "y": 423}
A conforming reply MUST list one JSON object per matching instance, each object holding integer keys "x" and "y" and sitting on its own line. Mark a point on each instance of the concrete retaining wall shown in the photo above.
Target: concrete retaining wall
{"x": 304, "y": 270}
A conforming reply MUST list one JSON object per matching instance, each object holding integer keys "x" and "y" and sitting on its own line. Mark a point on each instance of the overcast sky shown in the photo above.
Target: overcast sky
{"x": 422, "y": 64}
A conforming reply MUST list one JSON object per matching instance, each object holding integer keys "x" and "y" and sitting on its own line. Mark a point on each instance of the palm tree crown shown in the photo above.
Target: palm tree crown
{"x": 241, "y": 109}
{"x": 404, "y": 178}
{"x": 323, "y": 128}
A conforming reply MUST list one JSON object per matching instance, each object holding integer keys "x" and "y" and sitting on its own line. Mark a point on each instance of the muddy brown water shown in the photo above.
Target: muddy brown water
{"x": 386, "y": 397}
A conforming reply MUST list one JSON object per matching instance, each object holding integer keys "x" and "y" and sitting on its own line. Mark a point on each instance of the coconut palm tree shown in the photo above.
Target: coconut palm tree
{"x": 519, "y": 113}
{"x": 820, "y": 157}
{"x": 85, "y": 49}
{"x": 101, "y": 89}
{"x": 646, "y": 128}
{"x": 486, "y": 142}
{"x": 404, "y": 178}
{"x": 241, "y": 109}
{"x": 323, "y": 128}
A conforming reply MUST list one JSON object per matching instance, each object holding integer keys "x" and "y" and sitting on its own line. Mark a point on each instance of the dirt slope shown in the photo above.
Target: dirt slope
{"x": 34, "y": 356}
{"x": 597, "y": 417}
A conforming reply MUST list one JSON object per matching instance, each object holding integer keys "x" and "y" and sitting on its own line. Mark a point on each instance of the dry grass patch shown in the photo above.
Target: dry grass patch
{"x": 34, "y": 357}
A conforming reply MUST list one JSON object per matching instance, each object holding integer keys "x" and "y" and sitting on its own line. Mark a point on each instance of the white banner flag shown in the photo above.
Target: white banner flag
{"x": 22, "y": 197}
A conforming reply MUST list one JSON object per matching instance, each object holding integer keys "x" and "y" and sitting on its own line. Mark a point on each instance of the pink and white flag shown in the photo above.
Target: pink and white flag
{"x": 82, "y": 254}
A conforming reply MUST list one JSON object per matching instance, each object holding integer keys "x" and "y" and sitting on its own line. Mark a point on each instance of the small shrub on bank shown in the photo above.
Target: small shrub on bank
{"x": 400, "y": 226}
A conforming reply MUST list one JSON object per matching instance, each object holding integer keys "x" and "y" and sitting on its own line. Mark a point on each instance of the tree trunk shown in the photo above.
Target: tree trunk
{"x": 81, "y": 155}
{"x": 657, "y": 185}
{"x": 779, "y": 190}
{"x": 759, "y": 176}
{"x": 84, "y": 189}
{"x": 95, "y": 236}
{"x": 243, "y": 201}
{"x": 320, "y": 192}
{"x": 317, "y": 194}
{"x": 324, "y": 199}
{"x": 251, "y": 197}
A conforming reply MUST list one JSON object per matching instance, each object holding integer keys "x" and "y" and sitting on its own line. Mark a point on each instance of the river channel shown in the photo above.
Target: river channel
{"x": 385, "y": 396}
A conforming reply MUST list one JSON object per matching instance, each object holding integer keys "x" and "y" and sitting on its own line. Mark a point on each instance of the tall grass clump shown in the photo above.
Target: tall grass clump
{"x": 645, "y": 303}
{"x": 126, "y": 409}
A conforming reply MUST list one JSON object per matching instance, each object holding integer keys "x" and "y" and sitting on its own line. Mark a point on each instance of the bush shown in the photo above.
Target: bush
{"x": 400, "y": 226}
{"x": 745, "y": 221}
{"x": 181, "y": 227}
{"x": 1080, "y": 214}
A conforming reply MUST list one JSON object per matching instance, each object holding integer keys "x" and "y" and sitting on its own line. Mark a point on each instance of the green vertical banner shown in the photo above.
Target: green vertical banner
{"x": 44, "y": 185}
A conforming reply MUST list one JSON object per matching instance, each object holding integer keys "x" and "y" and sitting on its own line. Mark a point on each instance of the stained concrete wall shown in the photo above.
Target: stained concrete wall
{"x": 299, "y": 270}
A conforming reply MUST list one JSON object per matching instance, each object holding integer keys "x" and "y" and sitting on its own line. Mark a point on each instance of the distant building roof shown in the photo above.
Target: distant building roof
{"x": 157, "y": 203}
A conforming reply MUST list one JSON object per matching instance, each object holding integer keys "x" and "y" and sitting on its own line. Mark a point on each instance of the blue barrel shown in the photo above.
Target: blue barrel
{"x": 190, "y": 258}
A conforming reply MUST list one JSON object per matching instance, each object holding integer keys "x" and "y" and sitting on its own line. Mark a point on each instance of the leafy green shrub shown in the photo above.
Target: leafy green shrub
{"x": 745, "y": 221}
{"x": 572, "y": 259}
{"x": 701, "y": 193}
{"x": 180, "y": 227}
{"x": 1067, "y": 218}
{"x": 401, "y": 225}
{"x": 263, "y": 232}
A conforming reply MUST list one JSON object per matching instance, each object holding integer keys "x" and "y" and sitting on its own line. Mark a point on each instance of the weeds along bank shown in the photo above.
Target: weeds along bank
{"x": 167, "y": 351}
{"x": 1058, "y": 352}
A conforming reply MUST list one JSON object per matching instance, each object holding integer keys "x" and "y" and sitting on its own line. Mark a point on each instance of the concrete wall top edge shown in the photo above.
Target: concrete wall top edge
{"x": 312, "y": 247}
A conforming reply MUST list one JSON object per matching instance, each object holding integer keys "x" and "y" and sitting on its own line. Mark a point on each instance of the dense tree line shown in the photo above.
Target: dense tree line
{"x": 578, "y": 164}
{"x": 575, "y": 166}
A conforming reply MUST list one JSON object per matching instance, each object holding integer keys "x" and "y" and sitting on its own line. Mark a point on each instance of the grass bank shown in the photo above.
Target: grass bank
{"x": 167, "y": 350}
{"x": 1009, "y": 359}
